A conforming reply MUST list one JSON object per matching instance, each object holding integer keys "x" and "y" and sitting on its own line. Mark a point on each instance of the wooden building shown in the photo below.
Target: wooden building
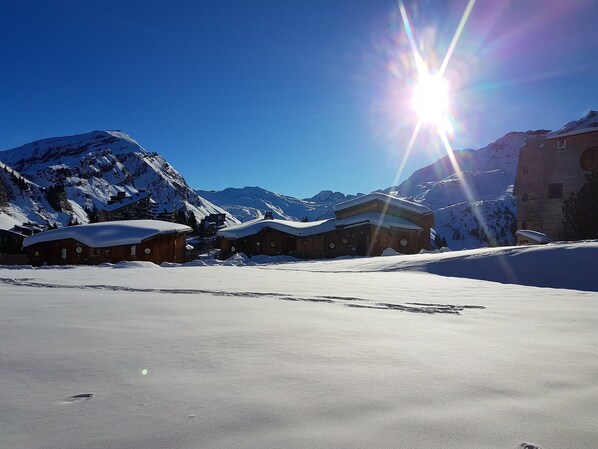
{"x": 138, "y": 206}
{"x": 551, "y": 167}
{"x": 363, "y": 226}
{"x": 141, "y": 240}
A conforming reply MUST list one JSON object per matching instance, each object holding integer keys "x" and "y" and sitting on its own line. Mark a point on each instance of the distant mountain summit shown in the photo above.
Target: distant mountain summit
{"x": 248, "y": 203}
{"x": 89, "y": 168}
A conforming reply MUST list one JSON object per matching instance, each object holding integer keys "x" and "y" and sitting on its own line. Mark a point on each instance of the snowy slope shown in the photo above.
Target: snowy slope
{"x": 248, "y": 203}
{"x": 360, "y": 353}
{"x": 93, "y": 166}
{"x": 477, "y": 208}
{"x": 22, "y": 201}
{"x": 589, "y": 121}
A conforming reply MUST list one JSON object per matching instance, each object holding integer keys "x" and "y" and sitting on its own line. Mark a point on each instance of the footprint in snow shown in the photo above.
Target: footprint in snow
{"x": 81, "y": 397}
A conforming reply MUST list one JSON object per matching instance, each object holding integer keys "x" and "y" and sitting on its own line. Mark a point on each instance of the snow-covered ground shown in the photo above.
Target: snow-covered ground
{"x": 421, "y": 351}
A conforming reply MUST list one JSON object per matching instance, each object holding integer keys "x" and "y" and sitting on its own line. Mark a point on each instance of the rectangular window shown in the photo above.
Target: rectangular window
{"x": 555, "y": 190}
{"x": 561, "y": 145}
{"x": 133, "y": 250}
{"x": 63, "y": 253}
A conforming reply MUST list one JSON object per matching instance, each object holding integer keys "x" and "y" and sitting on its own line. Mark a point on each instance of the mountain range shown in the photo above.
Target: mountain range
{"x": 59, "y": 180}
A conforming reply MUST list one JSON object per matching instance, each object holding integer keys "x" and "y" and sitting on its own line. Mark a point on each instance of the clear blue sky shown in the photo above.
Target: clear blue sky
{"x": 293, "y": 96}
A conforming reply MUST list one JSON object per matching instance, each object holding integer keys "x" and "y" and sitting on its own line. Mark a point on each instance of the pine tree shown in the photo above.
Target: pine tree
{"x": 580, "y": 212}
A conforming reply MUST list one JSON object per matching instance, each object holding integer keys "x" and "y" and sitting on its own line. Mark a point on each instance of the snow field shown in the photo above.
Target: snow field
{"x": 279, "y": 356}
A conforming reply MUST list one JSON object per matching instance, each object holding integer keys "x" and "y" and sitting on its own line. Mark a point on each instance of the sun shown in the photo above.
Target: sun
{"x": 431, "y": 99}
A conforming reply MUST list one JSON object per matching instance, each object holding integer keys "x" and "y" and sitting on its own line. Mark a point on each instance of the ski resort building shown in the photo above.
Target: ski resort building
{"x": 363, "y": 226}
{"x": 550, "y": 168}
{"x": 139, "y": 206}
{"x": 140, "y": 240}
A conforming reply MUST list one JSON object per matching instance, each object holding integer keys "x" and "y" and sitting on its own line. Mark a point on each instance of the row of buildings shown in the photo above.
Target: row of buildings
{"x": 362, "y": 226}
{"x": 550, "y": 168}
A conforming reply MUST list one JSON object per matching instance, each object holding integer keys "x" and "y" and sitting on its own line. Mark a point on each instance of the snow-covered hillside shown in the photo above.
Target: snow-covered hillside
{"x": 590, "y": 120}
{"x": 22, "y": 200}
{"x": 475, "y": 208}
{"x": 91, "y": 167}
{"x": 251, "y": 202}
{"x": 421, "y": 351}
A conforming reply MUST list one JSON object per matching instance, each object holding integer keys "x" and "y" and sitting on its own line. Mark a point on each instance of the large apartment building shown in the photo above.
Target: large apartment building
{"x": 551, "y": 167}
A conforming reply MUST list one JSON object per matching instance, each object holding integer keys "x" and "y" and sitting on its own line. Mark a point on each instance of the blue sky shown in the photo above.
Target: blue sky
{"x": 293, "y": 96}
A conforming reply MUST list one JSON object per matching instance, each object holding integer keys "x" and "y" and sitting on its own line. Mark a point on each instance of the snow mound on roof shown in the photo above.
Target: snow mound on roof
{"x": 534, "y": 235}
{"x": 110, "y": 233}
{"x": 296, "y": 228}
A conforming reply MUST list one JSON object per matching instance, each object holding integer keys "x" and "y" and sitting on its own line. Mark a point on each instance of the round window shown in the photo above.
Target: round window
{"x": 332, "y": 245}
{"x": 404, "y": 242}
{"x": 36, "y": 253}
{"x": 147, "y": 250}
{"x": 345, "y": 240}
{"x": 78, "y": 249}
{"x": 272, "y": 244}
{"x": 232, "y": 249}
{"x": 589, "y": 160}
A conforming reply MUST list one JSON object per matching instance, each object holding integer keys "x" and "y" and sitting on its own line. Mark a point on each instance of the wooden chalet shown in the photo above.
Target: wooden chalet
{"x": 363, "y": 226}
{"x": 11, "y": 243}
{"x": 121, "y": 206}
{"x": 134, "y": 240}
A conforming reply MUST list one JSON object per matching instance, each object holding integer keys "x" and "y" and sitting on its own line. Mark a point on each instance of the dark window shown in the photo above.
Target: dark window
{"x": 589, "y": 160}
{"x": 555, "y": 190}
{"x": 524, "y": 198}
{"x": 524, "y": 224}
{"x": 525, "y": 169}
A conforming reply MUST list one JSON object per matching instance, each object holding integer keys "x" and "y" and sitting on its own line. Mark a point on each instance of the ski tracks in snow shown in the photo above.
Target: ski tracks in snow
{"x": 347, "y": 301}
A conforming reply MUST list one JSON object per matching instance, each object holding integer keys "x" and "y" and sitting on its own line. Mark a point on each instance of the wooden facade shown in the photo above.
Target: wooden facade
{"x": 550, "y": 169}
{"x": 158, "y": 249}
{"x": 363, "y": 240}
{"x": 351, "y": 233}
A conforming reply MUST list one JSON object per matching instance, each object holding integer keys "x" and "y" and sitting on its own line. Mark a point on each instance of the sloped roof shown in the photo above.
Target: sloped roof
{"x": 109, "y": 233}
{"x": 296, "y": 228}
{"x": 126, "y": 201}
{"x": 378, "y": 219}
{"x": 554, "y": 135}
{"x": 305, "y": 229}
{"x": 388, "y": 199}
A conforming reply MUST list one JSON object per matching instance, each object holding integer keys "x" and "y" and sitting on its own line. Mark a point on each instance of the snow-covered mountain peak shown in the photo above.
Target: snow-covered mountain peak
{"x": 590, "y": 120}
{"x": 62, "y": 149}
{"x": 93, "y": 166}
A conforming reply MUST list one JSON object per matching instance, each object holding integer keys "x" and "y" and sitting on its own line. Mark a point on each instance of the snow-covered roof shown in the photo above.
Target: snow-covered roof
{"x": 126, "y": 201}
{"x": 296, "y": 228}
{"x": 109, "y": 233}
{"x": 378, "y": 219}
{"x": 391, "y": 200}
{"x": 304, "y": 229}
{"x": 554, "y": 135}
{"x": 534, "y": 235}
